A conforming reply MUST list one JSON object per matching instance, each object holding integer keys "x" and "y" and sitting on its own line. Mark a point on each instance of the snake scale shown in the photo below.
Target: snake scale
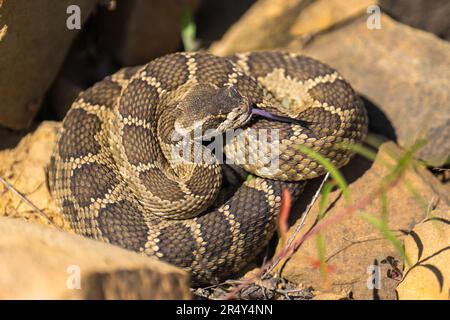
{"x": 114, "y": 178}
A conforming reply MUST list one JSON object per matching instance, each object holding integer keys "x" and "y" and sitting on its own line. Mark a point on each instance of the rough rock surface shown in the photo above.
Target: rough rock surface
{"x": 403, "y": 72}
{"x": 24, "y": 168}
{"x": 428, "y": 246}
{"x": 270, "y": 24}
{"x": 352, "y": 244}
{"x": 37, "y": 262}
{"x": 33, "y": 34}
{"x": 428, "y": 15}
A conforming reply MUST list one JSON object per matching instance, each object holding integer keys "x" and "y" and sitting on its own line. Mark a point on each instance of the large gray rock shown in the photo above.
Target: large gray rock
{"x": 34, "y": 40}
{"x": 431, "y": 16}
{"x": 402, "y": 71}
{"x": 38, "y": 262}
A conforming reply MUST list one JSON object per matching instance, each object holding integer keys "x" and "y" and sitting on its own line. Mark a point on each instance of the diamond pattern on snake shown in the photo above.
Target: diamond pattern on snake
{"x": 114, "y": 176}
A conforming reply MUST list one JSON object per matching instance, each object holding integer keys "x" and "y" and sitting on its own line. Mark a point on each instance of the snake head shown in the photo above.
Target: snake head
{"x": 206, "y": 111}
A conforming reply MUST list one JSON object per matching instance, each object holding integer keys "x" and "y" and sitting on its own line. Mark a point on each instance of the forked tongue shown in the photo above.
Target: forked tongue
{"x": 270, "y": 116}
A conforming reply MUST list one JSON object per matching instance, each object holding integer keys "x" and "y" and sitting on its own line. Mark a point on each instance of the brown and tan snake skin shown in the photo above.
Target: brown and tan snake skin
{"x": 112, "y": 175}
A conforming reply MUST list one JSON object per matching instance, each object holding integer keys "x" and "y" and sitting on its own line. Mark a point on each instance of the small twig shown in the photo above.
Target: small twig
{"x": 300, "y": 224}
{"x": 215, "y": 285}
{"x": 441, "y": 169}
{"x": 26, "y": 200}
{"x": 363, "y": 239}
{"x": 307, "y": 210}
{"x": 431, "y": 205}
{"x": 299, "y": 293}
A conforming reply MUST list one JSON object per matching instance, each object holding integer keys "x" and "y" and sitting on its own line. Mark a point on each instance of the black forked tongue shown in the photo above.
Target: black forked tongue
{"x": 270, "y": 116}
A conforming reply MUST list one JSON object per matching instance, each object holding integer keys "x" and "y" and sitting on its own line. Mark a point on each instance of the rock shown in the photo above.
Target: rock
{"x": 138, "y": 31}
{"x": 323, "y": 15}
{"x": 403, "y": 72}
{"x": 431, "y": 16}
{"x": 352, "y": 244}
{"x": 24, "y": 168}
{"x": 428, "y": 245}
{"x": 33, "y": 43}
{"x": 271, "y": 24}
{"x": 37, "y": 262}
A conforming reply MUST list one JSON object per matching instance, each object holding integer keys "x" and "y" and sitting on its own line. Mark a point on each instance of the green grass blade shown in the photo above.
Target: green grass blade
{"x": 335, "y": 173}
{"x": 326, "y": 190}
{"x": 387, "y": 234}
{"x": 249, "y": 177}
{"x": 359, "y": 149}
{"x": 404, "y": 162}
{"x": 188, "y": 31}
{"x": 384, "y": 209}
{"x": 321, "y": 250}
{"x": 374, "y": 141}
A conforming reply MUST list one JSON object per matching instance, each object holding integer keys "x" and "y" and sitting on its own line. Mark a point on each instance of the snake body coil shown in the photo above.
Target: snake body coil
{"x": 113, "y": 176}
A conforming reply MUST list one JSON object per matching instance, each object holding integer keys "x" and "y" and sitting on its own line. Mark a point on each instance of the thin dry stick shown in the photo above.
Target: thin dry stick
{"x": 301, "y": 223}
{"x": 26, "y": 200}
{"x": 308, "y": 208}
